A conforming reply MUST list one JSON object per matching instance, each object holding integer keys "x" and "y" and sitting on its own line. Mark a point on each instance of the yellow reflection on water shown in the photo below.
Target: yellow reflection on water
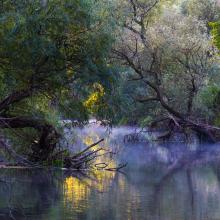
{"x": 103, "y": 178}
{"x": 78, "y": 192}
{"x": 75, "y": 192}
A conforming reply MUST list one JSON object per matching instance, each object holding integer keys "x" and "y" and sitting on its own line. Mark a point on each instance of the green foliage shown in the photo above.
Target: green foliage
{"x": 210, "y": 95}
{"x": 45, "y": 47}
{"x": 215, "y": 33}
{"x": 210, "y": 98}
{"x": 56, "y": 51}
{"x": 204, "y": 10}
{"x": 177, "y": 56}
{"x": 60, "y": 51}
{"x": 145, "y": 122}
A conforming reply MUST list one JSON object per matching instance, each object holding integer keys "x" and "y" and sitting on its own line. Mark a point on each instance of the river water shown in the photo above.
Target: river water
{"x": 146, "y": 189}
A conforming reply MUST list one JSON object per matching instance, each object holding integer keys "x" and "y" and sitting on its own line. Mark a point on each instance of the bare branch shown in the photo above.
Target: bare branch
{"x": 142, "y": 100}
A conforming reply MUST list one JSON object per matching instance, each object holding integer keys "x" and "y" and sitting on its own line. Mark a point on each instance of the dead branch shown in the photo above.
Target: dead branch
{"x": 88, "y": 148}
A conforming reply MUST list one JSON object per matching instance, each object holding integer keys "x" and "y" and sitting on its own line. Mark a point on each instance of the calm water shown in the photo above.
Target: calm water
{"x": 146, "y": 190}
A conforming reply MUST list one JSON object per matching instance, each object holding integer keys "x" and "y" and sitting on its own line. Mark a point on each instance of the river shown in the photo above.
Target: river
{"x": 145, "y": 189}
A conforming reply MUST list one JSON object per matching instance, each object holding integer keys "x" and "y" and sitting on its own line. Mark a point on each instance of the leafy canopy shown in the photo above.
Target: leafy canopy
{"x": 56, "y": 48}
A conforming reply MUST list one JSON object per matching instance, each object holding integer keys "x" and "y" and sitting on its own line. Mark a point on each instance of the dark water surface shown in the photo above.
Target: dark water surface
{"x": 146, "y": 189}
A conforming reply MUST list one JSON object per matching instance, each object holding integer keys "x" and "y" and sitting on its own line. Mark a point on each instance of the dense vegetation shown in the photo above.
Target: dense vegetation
{"x": 173, "y": 63}
{"x": 137, "y": 62}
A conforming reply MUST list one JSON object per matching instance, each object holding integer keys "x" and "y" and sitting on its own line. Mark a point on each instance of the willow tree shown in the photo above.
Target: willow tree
{"x": 51, "y": 53}
{"x": 172, "y": 56}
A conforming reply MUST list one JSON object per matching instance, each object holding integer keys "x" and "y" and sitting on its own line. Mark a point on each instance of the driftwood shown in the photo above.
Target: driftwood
{"x": 79, "y": 161}
{"x": 88, "y": 148}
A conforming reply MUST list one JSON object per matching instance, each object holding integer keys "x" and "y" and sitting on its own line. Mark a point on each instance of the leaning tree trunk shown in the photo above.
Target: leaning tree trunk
{"x": 209, "y": 132}
{"x": 180, "y": 120}
{"x": 42, "y": 148}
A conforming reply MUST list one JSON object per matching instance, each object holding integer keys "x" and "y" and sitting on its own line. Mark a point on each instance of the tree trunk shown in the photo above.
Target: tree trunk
{"x": 43, "y": 150}
{"x": 48, "y": 136}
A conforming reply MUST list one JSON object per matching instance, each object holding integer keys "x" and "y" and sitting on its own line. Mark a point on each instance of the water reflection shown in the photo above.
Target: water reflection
{"x": 147, "y": 189}
{"x": 75, "y": 193}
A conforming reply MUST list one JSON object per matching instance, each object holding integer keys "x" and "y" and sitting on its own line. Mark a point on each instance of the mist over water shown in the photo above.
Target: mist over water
{"x": 143, "y": 151}
{"x": 147, "y": 189}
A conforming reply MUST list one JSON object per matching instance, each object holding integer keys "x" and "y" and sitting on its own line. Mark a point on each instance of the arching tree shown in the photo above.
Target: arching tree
{"x": 50, "y": 50}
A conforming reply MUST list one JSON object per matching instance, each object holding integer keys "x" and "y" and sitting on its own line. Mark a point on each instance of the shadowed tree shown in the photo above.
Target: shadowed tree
{"x": 51, "y": 53}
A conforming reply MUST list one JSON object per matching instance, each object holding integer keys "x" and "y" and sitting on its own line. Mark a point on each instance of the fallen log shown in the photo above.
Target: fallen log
{"x": 209, "y": 133}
